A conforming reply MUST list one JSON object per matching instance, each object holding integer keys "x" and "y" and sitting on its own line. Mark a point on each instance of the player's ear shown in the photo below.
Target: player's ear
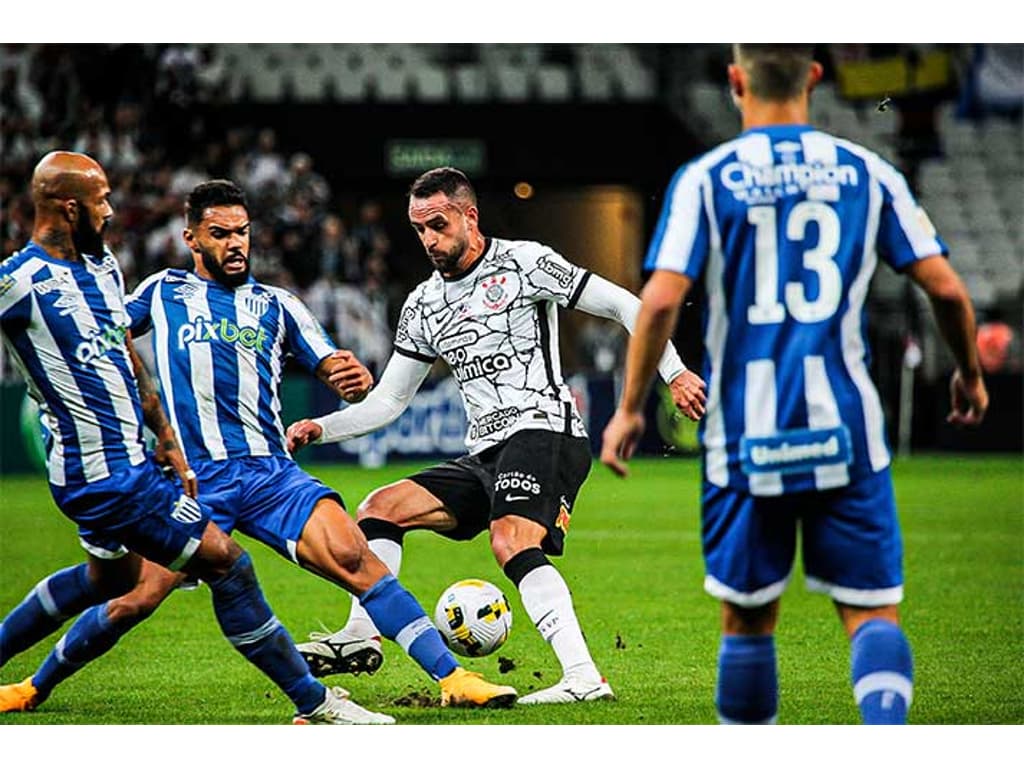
{"x": 736, "y": 85}
{"x": 814, "y": 75}
{"x": 190, "y": 239}
{"x": 71, "y": 210}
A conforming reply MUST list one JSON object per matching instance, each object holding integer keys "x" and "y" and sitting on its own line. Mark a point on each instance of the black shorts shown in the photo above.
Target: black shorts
{"x": 534, "y": 474}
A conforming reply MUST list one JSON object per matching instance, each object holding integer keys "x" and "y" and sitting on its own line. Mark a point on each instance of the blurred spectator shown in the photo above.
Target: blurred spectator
{"x": 994, "y": 82}
{"x": 996, "y": 344}
{"x": 306, "y": 182}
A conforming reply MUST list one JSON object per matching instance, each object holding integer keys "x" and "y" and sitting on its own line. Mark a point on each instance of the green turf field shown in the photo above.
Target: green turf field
{"x": 634, "y": 567}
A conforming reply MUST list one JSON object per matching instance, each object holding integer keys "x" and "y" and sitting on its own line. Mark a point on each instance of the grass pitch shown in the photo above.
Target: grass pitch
{"x": 634, "y": 565}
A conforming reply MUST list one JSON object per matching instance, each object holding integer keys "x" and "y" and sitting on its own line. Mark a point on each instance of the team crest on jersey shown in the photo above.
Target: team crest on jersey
{"x": 107, "y": 264}
{"x": 499, "y": 290}
{"x": 256, "y": 304}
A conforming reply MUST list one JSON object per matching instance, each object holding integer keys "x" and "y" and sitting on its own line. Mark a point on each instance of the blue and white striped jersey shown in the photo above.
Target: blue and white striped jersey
{"x": 219, "y": 355}
{"x": 65, "y": 324}
{"x": 784, "y": 226}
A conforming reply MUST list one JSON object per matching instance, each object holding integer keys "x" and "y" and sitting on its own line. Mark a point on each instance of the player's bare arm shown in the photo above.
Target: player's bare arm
{"x": 168, "y": 451}
{"x": 344, "y": 374}
{"x": 954, "y": 315}
{"x": 659, "y": 311}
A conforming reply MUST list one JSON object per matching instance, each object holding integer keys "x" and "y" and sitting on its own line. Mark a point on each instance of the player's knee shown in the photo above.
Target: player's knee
{"x": 216, "y": 555}
{"x": 379, "y": 505}
{"x": 750, "y": 620}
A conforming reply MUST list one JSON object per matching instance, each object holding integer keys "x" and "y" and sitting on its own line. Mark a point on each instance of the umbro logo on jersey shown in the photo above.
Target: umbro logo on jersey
{"x": 185, "y": 291}
{"x": 6, "y": 283}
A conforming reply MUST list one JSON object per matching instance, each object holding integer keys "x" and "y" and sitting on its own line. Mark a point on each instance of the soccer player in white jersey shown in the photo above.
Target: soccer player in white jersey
{"x": 220, "y": 340}
{"x": 63, "y": 316}
{"x": 490, "y": 311}
{"x": 783, "y": 227}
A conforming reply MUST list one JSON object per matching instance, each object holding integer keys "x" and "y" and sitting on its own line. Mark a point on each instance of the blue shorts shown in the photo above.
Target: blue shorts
{"x": 850, "y": 537}
{"x": 137, "y": 509}
{"x": 266, "y": 497}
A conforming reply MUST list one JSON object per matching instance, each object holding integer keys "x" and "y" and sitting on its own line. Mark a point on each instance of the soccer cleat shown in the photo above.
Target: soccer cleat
{"x": 19, "y": 697}
{"x": 336, "y": 654}
{"x": 570, "y": 690}
{"x": 463, "y": 688}
{"x": 338, "y": 709}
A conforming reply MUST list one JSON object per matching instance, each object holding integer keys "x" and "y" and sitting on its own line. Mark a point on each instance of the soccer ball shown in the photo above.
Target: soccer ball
{"x": 474, "y": 617}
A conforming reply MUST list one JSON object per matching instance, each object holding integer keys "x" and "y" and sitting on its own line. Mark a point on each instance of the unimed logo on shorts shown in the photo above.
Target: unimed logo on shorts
{"x": 186, "y": 510}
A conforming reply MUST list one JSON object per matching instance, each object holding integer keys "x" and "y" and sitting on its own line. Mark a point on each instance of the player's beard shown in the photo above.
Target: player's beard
{"x": 448, "y": 263}
{"x": 85, "y": 238}
{"x": 214, "y": 268}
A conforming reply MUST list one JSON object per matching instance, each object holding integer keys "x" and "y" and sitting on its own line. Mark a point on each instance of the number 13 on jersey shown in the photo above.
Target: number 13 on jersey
{"x": 767, "y": 308}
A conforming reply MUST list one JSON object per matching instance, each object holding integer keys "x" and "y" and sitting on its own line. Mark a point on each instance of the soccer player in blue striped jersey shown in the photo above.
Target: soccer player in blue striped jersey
{"x": 783, "y": 227}
{"x": 220, "y": 341}
{"x": 62, "y": 314}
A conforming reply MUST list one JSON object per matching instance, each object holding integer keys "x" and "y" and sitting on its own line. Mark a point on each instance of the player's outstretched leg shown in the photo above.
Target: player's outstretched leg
{"x": 356, "y": 647}
{"x": 547, "y": 600}
{"x": 402, "y": 619}
{"x": 50, "y": 603}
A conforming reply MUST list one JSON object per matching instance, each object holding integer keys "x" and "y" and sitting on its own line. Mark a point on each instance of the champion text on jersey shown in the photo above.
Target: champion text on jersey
{"x": 201, "y": 330}
{"x": 749, "y": 182}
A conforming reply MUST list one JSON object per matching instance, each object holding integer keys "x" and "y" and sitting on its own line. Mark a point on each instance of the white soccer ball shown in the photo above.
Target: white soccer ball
{"x": 473, "y": 617}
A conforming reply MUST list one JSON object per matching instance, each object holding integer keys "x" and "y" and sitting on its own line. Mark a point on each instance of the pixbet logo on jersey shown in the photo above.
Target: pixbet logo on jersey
{"x": 207, "y": 330}
{"x": 100, "y": 342}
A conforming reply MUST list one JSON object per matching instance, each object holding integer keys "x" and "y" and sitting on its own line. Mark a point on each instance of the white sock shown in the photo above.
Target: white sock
{"x": 359, "y": 623}
{"x": 546, "y": 598}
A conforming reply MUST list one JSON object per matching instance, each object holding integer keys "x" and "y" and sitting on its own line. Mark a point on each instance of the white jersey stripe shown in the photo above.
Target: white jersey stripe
{"x": 716, "y": 460}
{"x": 200, "y": 357}
{"x": 854, "y": 351}
{"x": 820, "y": 149}
{"x": 276, "y": 359}
{"x": 87, "y": 428}
{"x": 822, "y": 413}
{"x": 113, "y": 379}
{"x": 760, "y": 402}
{"x": 159, "y": 319}
{"x": 249, "y": 381}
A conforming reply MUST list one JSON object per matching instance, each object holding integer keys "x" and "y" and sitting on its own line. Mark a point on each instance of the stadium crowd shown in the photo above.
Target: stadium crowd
{"x": 157, "y": 142}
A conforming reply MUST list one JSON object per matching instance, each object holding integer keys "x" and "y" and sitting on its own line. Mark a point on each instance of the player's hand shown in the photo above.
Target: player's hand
{"x": 169, "y": 454}
{"x": 689, "y": 392}
{"x": 620, "y": 439}
{"x": 349, "y": 377}
{"x": 969, "y": 399}
{"x": 302, "y": 433}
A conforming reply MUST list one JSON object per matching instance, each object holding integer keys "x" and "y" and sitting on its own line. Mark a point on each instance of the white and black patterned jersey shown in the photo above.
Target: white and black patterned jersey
{"x": 496, "y": 326}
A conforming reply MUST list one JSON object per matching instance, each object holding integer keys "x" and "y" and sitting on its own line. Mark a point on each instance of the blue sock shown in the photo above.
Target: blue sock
{"x": 51, "y": 602}
{"x": 400, "y": 618}
{"x": 89, "y": 638}
{"x": 883, "y": 672}
{"x": 250, "y": 626}
{"x": 748, "y": 685}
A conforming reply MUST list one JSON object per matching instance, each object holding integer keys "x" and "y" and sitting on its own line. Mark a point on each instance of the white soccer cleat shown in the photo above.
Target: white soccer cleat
{"x": 339, "y": 709}
{"x": 338, "y": 653}
{"x": 570, "y": 690}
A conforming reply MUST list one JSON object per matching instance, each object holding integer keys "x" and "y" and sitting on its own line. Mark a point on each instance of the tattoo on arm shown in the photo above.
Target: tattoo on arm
{"x": 152, "y": 410}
